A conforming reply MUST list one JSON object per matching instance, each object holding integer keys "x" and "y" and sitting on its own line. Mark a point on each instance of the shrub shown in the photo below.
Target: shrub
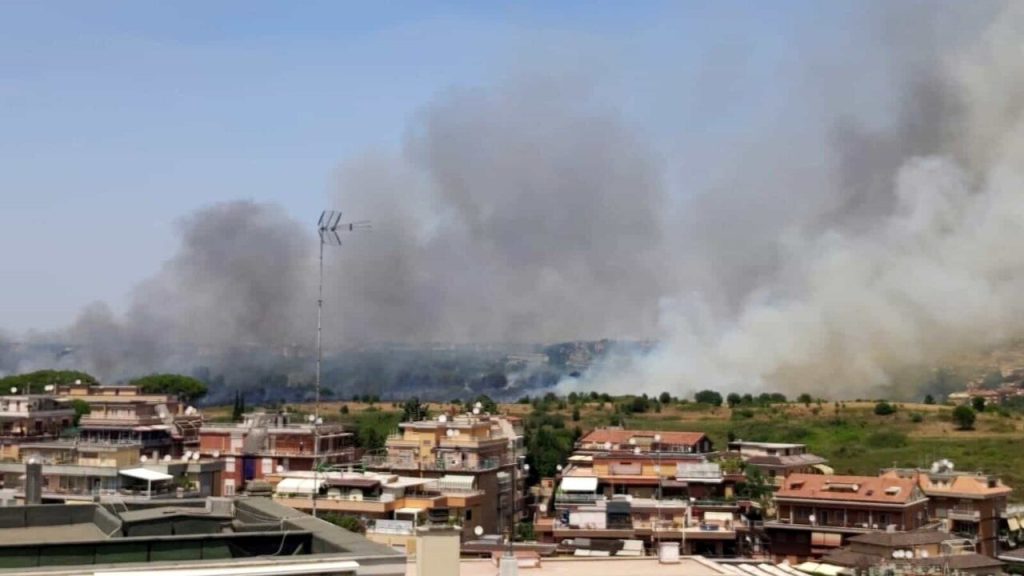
{"x": 917, "y": 418}
{"x": 883, "y": 408}
{"x": 964, "y": 417}
{"x": 978, "y": 403}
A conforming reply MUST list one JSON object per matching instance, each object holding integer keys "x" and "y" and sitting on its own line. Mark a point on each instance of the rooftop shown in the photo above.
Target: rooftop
{"x": 621, "y": 436}
{"x": 886, "y": 489}
{"x": 190, "y": 534}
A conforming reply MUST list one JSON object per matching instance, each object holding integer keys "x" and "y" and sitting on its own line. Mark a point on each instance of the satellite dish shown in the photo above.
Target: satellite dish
{"x": 167, "y": 458}
{"x": 476, "y": 410}
{"x": 188, "y": 454}
{"x": 479, "y": 530}
{"x": 607, "y": 445}
{"x": 812, "y": 518}
{"x": 14, "y": 389}
{"x": 143, "y": 458}
{"x": 442, "y": 418}
{"x": 216, "y": 453}
{"x": 280, "y": 468}
{"x": 924, "y": 553}
{"x": 48, "y": 387}
{"x": 78, "y": 382}
{"x": 195, "y": 456}
{"x": 478, "y": 405}
{"x": 897, "y": 553}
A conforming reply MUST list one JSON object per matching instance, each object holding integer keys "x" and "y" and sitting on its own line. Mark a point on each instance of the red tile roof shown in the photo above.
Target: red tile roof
{"x": 870, "y": 489}
{"x": 619, "y": 436}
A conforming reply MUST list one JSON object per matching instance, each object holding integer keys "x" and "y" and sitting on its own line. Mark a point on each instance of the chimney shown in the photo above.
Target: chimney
{"x": 33, "y": 482}
{"x": 437, "y": 550}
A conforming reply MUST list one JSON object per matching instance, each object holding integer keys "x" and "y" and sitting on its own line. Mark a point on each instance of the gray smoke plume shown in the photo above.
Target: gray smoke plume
{"x": 239, "y": 281}
{"x": 913, "y": 260}
{"x": 865, "y": 224}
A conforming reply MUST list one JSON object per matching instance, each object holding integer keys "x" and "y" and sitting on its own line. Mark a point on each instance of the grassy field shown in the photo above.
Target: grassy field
{"x": 849, "y": 434}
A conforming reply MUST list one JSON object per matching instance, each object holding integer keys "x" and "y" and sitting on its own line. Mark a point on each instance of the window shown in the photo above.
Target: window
{"x": 229, "y": 487}
{"x": 469, "y": 515}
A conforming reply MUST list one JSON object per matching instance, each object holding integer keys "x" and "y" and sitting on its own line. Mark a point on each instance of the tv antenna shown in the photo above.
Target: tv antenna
{"x": 329, "y": 227}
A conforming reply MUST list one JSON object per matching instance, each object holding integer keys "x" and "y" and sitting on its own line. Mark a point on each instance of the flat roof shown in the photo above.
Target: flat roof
{"x": 66, "y": 534}
{"x": 598, "y": 566}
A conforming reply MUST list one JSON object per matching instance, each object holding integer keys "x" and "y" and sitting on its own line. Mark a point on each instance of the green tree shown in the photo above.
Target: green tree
{"x": 805, "y": 399}
{"x": 373, "y": 428}
{"x": 575, "y": 414}
{"x": 733, "y": 399}
{"x": 709, "y": 397}
{"x": 547, "y": 447}
{"x": 964, "y": 417}
{"x": 184, "y": 387}
{"x": 346, "y": 521}
{"x": 665, "y": 398}
{"x": 978, "y": 403}
{"x": 413, "y": 410}
{"x": 239, "y": 407}
{"x": 883, "y": 408}
{"x": 81, "y": 408}
{"x": 344, "y": 409}
{"x": 929, "y": 399}
{"x": 486, "y": 404}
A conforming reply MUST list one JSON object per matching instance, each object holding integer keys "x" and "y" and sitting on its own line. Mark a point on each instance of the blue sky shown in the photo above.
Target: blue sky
{"x": 118, "y": 118}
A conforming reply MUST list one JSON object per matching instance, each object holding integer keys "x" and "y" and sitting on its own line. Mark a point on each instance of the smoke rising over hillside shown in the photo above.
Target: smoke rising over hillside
{"x": 837, "y": 243}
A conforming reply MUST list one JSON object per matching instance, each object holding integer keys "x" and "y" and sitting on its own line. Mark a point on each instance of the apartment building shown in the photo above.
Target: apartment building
{"x": 159, "y": 423}
{"x": 817, "y": 513}
{"x": 30, "y": 418}
{"x": 485, "y": 448}
{"x": 967, "y": 504}
{"x": 393, "y": 504}
{"x": 637, "y": 492}
{"x": 917, "y": 551}
{"x": 267, "y": 443}
{"x": 777, "y": 460}
{"x": 73, "y": 470}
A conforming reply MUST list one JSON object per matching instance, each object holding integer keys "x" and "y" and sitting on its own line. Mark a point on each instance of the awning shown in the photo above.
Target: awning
{"x": 298, "y": 486}
{"x": 816, "y": 568}
{"x": 146, "y": 474}
{"x": 718, "y": 517}
{"x": 455, "y": 482}
{"x": 824, "y": 469}
{"x": 579, "y": 484}
{"x": 410, "y": 511}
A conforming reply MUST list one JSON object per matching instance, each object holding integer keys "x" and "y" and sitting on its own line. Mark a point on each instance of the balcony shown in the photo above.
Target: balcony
{"x": 964, "y": 514}
{"x": 830, "y": 526}
{"x": 578, "y": 498}
{"x": 405, "y": 464}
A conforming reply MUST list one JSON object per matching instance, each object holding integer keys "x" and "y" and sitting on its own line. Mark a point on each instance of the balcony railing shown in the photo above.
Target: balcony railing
{"x": 968, "y": 514}
{"x": 401, "y": 464}
{"x": 571, "y": 498}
